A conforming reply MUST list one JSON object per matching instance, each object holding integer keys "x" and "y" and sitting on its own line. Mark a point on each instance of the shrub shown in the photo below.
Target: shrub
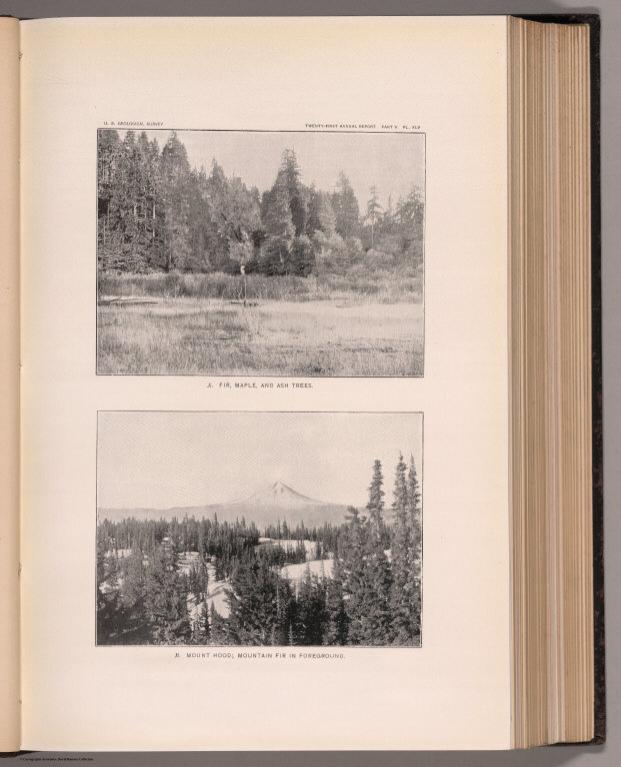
{"x": 302, "y": 256}
{"x": 213, "y": 285}
{"x": 354, "y": 246}
{"x": 378, "y": 259}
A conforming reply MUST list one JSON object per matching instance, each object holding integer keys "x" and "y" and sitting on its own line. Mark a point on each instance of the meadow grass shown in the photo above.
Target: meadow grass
{"x": 212, "y": 337}
{"x": 383, "y": 286}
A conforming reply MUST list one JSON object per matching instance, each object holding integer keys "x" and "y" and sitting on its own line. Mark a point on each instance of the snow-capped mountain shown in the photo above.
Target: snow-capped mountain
{"x": 277, "y": 501}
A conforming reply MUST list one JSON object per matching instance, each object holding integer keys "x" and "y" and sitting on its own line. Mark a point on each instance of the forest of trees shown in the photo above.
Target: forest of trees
{"x": 371, "y": 597}
{"x": 157, "y": 213}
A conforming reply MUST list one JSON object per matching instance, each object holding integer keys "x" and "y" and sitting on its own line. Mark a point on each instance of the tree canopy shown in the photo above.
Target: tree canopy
{"x": 157, "y": 213}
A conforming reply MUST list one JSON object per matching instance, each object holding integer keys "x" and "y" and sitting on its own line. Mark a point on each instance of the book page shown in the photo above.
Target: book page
{"x": 9, "y": 384}
{"x": 264, "y": 393}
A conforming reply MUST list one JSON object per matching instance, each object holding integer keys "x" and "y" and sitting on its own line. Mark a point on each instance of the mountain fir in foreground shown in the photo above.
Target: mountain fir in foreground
{"x": 205, "y": 582}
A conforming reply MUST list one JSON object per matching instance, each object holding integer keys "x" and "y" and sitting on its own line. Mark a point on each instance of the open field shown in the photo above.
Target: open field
{"x": 290, "y": 326}
{"x": 185, "y": 336}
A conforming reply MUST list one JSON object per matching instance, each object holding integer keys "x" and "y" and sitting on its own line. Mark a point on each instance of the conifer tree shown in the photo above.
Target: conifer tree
{"x": 415, "y": 551}
{"x": 175, "y": 176}
{"x": 400, "y": 559}
{"x": 310, "y": 611}
{"x": 133, "y": 589}
{"x": 335, "y": 632}
{"x": 352, "y": 547}
{"x": 217, "y": 627}
{"x": 285, "y": 614}
{"x": 112, "y": 617}
{"x": 377, "y": 579}
{"x": 252, "y": 601}
{"x": 166, "y": 598}
{"x": 198, "y": 580}
{"x": 345, "y": 206}
{"x": 320, "y": 213}
{"x": 296, "y": 192}
{"x": 375, "y": 506}
{"x": 279, "y": 227}
{"x": 200, "y": 629}
{"x": 374, "y": 210}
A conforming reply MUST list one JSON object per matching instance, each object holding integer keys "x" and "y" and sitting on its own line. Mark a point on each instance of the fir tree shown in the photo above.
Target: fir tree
{"x": 175, "y": 176}
{"x": 335, "y": 632}
{"x": 217, "y": 627}
{"x": 285, "y": 613}
{"x": 279, "y": 227}
{"x": 200, "y": 629}
{"x": 375, "y": 506}
{"x": 320, "y": 213}
{"x": 374, "y": 210}
{"x": 198, "y": 580}
{"x": 310, "y": 612}
{"x": 402, "y": 585}
{"x": 252, "y": 598}
{"x": 133, "y": 589}
{"x": 415, "y": 551}
{"x": 166, "y": 598}
{"x": 377, "y": 580}
{"x": 297, "y": 194}
{"x": 346, "y": 210}
{"x": 112, "y": 619}
{"x": 352, "y": 546}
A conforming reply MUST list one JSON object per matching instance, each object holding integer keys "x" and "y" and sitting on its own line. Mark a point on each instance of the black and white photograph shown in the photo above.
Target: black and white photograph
{"x": 263, "y": 253}
{"x": 259, "y": 528}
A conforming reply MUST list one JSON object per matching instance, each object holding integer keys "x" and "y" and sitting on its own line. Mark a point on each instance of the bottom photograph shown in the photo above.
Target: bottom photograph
{"x": 259, "y": 529}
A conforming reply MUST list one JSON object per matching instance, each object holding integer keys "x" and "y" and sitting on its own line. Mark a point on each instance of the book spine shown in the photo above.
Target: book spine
{"x": 9, "y": 386}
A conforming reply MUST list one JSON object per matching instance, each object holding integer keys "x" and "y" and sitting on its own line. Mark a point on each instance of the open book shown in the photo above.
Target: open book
{"x": 301, "y": 428}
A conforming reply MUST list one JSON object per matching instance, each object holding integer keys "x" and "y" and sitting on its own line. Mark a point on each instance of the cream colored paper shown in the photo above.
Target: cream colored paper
{"x": 9, "y": 385}
{"x": 446, "y": 75}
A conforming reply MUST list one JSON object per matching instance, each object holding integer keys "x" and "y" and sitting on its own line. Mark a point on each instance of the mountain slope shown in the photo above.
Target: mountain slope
{"x": 267, "y": 506}
{"x": 278, "y": 495}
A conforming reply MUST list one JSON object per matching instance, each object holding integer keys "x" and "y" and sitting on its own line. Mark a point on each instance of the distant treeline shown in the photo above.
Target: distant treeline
{"x": 373, "y": 596}
{"x": 157, "y": 213}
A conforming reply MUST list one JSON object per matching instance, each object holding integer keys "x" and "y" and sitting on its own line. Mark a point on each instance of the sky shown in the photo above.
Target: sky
{"x": 164, "y": 459}
{"x": 393, "y": 162}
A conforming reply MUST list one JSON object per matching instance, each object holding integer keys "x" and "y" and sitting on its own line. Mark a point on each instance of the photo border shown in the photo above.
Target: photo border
{"x": 271, "y": 412}
{"x": 262, "y": 375}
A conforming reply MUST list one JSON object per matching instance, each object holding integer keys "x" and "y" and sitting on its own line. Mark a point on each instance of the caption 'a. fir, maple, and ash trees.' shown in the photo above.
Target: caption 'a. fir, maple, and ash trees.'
{"x": 204, "y": 581}
{"x": 332, "y": 285}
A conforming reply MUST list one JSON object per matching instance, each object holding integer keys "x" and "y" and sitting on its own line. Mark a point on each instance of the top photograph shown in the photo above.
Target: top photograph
{"x": 260, "y": 253}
